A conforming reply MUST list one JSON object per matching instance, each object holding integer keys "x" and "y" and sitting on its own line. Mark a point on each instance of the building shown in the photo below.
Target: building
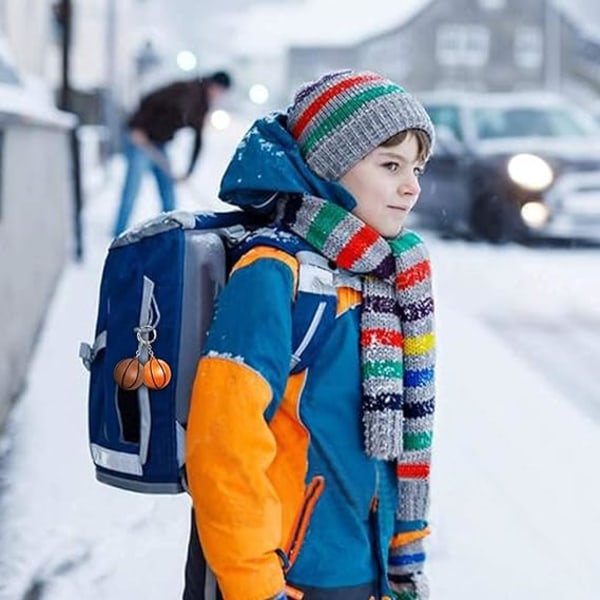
{"x": 479, "y": 45}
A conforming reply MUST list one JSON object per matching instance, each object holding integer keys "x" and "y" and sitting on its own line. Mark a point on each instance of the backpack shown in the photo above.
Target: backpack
{"x": 158, "y": 287}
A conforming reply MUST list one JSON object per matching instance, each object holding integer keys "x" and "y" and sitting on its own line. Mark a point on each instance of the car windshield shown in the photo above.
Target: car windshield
{"x": 446, "y": 115}
{"x": 493, "y": 123}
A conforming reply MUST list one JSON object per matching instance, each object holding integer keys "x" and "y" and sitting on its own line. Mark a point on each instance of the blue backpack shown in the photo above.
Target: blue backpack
{"x": 159, "y": 284}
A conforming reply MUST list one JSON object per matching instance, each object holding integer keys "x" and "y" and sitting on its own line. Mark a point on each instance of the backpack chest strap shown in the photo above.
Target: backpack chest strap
{"x": 315, "y": 308}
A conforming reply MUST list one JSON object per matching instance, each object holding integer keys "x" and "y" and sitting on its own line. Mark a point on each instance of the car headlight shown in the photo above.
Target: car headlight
{"x": 535, "y": 214}
{"x": 530, "y": 172}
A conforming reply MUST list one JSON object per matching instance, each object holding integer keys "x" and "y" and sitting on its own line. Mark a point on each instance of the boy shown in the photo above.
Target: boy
{"x": 315, "y": 485}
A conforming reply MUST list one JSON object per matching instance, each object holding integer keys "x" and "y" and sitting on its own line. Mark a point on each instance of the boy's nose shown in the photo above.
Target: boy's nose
{"x": 410, "y": 187}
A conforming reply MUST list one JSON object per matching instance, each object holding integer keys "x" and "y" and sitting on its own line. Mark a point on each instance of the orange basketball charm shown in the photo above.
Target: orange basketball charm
{"x": 129, "y": 374}
{"x": 157, "y": 374}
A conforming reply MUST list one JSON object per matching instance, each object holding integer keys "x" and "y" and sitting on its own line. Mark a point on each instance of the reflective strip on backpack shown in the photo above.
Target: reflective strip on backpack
{"x": 121, "y": 462}
{"x": 143, "y": 395}
{"x": 210, "y": 585}
{"x": 149, "y": 317}
{"x": 180, "y": 432}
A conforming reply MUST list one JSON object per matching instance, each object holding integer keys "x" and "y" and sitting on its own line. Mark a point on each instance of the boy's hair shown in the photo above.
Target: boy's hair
{"x": 423, "y": 142}
{"x": 344, "y": 115}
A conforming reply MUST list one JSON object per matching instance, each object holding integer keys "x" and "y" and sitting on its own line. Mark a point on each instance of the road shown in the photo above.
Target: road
{"x": 542, "y": 301}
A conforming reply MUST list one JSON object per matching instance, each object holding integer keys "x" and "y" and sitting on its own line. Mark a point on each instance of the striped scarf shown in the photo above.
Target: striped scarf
{"x": 397, "y": 341}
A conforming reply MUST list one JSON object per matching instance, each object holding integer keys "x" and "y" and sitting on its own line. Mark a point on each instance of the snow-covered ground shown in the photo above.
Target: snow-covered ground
{"x": 516, "y": 492}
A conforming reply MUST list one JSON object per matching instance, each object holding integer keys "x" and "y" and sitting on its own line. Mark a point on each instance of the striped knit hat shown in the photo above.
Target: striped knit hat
{"x": 343, "y": 116}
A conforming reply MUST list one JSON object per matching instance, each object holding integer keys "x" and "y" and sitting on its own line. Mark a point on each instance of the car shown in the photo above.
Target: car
{"x": 511, "y": 166}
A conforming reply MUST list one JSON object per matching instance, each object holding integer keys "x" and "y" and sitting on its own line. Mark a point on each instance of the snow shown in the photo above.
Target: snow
{"x": 515, "y": 492}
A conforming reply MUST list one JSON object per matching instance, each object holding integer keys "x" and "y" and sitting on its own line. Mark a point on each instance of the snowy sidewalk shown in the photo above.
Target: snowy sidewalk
{"x": 516, "y": 499}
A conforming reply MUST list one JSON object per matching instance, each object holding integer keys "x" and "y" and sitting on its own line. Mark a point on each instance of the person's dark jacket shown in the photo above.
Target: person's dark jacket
{"x": 163, "y": 112}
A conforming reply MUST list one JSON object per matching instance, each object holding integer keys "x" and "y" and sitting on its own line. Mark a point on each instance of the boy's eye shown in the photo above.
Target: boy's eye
{"x": 418, "y": 171}
{"x": 391, "y": 166}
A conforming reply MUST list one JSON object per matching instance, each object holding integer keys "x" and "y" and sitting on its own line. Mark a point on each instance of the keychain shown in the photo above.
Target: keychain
{"x": 144, "y": 367}
{"x": 129, "y": 373}
{"x": 157, "y": 373}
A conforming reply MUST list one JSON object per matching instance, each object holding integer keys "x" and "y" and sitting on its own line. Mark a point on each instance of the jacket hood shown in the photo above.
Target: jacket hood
{"x": 268, "y": 161}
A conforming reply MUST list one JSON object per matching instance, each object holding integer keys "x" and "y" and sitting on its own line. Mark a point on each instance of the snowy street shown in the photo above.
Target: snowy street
{"x": 516, "y": 491}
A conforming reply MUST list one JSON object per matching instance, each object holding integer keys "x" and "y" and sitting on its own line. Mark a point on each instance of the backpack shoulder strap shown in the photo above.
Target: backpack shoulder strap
{"x": 315, "y": 304}
{"x": 314, "y": 309}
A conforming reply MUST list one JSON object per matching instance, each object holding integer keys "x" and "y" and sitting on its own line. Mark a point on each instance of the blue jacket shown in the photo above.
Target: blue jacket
{"x": 283, "y": 489}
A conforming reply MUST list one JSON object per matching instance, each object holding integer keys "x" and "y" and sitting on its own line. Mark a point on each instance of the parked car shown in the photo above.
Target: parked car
{"x": 512, "y": 166}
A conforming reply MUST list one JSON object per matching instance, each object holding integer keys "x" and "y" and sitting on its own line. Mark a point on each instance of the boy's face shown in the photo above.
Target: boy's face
{"x": 385, "y": 185}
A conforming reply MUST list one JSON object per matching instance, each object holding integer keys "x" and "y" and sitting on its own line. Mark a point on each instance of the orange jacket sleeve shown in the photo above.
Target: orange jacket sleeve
{"x": 229, "y": 444}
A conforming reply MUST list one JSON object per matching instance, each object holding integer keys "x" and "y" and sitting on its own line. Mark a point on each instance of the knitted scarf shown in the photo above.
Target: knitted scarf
{"x": 397, "y": 339}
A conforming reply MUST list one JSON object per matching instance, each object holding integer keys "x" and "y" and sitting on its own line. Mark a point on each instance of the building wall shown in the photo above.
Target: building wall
{"x": 104, "y": 46}
{"x": 465, "y": 44}
{"x": 36, "y": 233}
{"x": 36, "y": 188}
{"x": 479, "y": 45}
{"x": 102, "y": 51}
{"x": 580, "y": 64}
{"x": 27, "y": 26}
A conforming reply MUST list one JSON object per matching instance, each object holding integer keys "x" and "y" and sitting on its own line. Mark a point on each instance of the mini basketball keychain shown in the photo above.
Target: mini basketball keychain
{"x": 129, "y": 373}
{"x": 157, "y": 373}
{"x": 154, "y": 373}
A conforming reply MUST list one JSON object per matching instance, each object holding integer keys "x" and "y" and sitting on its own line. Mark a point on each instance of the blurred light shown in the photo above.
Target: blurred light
{"x": 530, "y": 171}
{"x": 186, "y": 60}
{"x": 535, "y": 214}
{"x": 220, "y": 119}
{"x": 258, "y": 93}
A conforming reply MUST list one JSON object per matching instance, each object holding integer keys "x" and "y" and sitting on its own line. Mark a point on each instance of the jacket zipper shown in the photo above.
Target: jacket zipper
{"x": 311, "y": 496}
{"x": 375, "y": 500}
{"x": 374, "y": 523}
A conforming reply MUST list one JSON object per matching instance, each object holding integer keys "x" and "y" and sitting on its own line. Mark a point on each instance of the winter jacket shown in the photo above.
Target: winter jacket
{"x": 163, "y": 112}
{"x": 281, "y": 484}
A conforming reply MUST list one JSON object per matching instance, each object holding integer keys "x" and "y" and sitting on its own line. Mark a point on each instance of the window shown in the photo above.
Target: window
{"x": 476, "y": 45}
{"x": 462, "y": 45}
{"x": 448, "y": 45}
{"x": 528, "y": 49}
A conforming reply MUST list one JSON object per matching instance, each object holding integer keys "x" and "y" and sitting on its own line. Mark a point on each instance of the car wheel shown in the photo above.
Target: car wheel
{"x": 496, "y": 220}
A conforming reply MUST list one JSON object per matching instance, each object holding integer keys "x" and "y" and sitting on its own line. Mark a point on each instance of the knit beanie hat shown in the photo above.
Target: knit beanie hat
{"x": 343, "y": 116}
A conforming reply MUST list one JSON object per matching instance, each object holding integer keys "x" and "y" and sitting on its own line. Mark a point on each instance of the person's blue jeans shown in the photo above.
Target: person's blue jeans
{"x": 138, "y": 162}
